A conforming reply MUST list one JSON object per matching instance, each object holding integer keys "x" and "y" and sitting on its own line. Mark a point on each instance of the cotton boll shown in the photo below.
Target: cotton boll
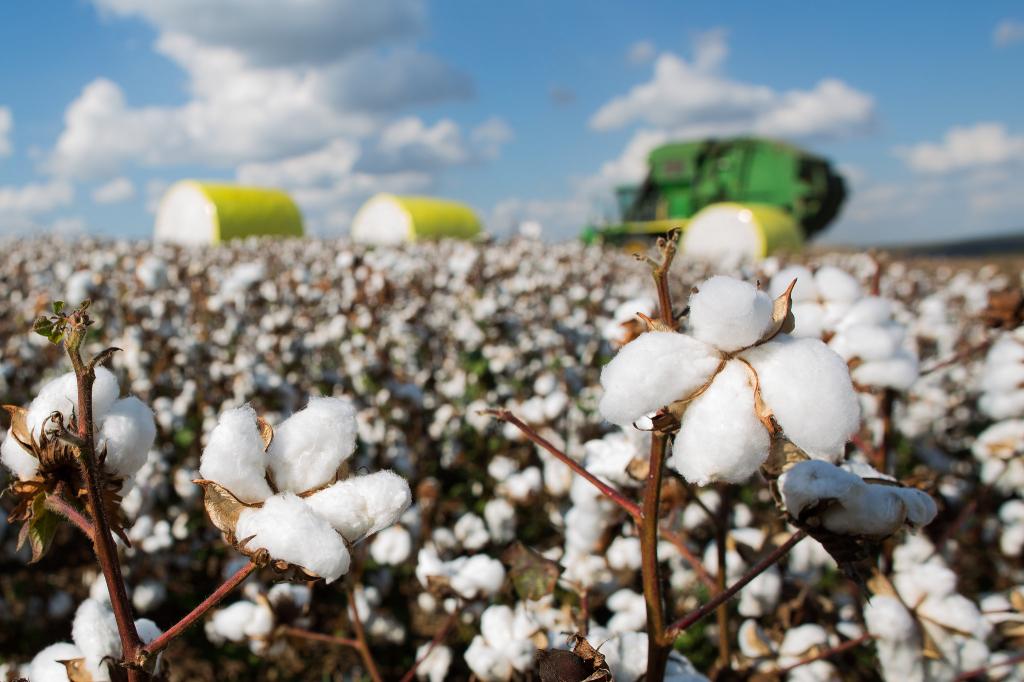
{"x": 720, "y": 437}
{"x": 898, "y": 372}
{"x": 806, "y": 288}
{"x": 806, "y": 483}
{"x": 387, "y": 496}
{"x": 290, "y": 531}
{"x": 231, "y": 622}
{"x": 753, "y": 641}
{"x": 487, "y": 662}
{"x": 148, "y": 595}
{"x": 391, "y": 546}
{"x": 61, "y": 395}
{"x": 147, "y": 629}
{"x": 761, "y": 595}
{"x": 94, "y": 631}
{"x": 127, "y": 433}
{"x": 18, "y": 459}
{"x": 653, "y": 370}
{"x": 501, "y": 520}
{"x": 234, "y": 456}
{"x": 867, "y": 342}
{"x": 45, "y": 668}
{"x": 808, "y": 320}
{"x": 799, "y": 640}
{"x": 729, "y": 314}
{"x": 309, "y": 446}
{"x": 837, "y": 285}
{"x": 807, "y": 387}
{"x": 630, "y": 611}
{"x": 434, "y": 662}
{"x": 479, "y": 575}
{"x": 343, "y": 506}
{"x": 624, "y": 553}
{"x": 870, "y": 310}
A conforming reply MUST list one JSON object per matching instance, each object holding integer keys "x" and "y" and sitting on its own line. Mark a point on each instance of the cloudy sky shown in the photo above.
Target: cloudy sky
{"x": 530, "y": 109}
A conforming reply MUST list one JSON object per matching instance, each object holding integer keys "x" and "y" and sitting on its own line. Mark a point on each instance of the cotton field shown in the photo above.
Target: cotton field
{"x": 308, "y": 460}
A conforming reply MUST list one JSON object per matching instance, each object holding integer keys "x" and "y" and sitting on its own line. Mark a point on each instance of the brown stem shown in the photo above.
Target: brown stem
{"x": 760, "y": 567}
{"x": 364, "y": 647}
{"x": 161, "y": 642}
{"x": 103, "y": 541}
{"x": 658, "y": 648}
{"x": 291, "y": 631}
{"x": 722, "y": 538}
{"x": 886, "y": 461}
{"x": 667, "y": 247}
{"x": 828, "y": 653}
{"x": 56, "y": 503}
{"x": 438, "y": 638}
{"x": 961, "y": 355}
{"x": 977, "y": 672}
{"x": 611, "y": 493}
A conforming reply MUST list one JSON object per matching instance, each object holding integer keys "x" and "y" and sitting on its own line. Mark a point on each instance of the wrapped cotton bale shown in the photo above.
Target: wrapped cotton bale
{"x": 388, "y": 219}
{"x": 194, "y": 212}
{"x": 731, "y": 233}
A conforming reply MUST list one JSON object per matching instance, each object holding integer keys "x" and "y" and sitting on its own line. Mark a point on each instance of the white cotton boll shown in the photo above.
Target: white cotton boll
{"x": 761, "y": 595}
{"x": 234, "y": 456}
{"x": 720, "y": 437}
{"x": 608, "y": 458}
{"x": 501, "y": 520}
{"x": 807, "y": 387}
{"x": 387, "y": 497}
{"x": 127, "y": 433}
{"x": 61, "y": 395}
{"x": 230, "y": 622}
{"x": 806, "y": 288}
{"x": 926, "y": 580}
{"x": 487, "y": 662}
{"x": 297, "y": 595}
{"x": 501, "y": 467}
{"x": 837, "y": 285}
{"x": 879, "y": 510}
{"x": 94, "y": 631}
{"x": 630, "y": 611}
{"x": 309, "y": 446}
{"x": 624, "y": 553}
{"x": 147, "y": 629}
{"x": 729, "y": 314}
{"x": 1002, "y": 405}
{"x": 148, "y": 595}
{"x": 291, "y": 531}
{"x": 343, "y": 506}
{"x": 801, "y": 639}
{"x": 870, "y": 310}
{"x": 479, "y": 575}
{"x": 18, "y": 459}
{"x": 810, "y": 481}
{"x": 898, "y": 372}
{"x": 45, "y": 668}
{"x": 523, "y": 485}
{"x": 867, "y": 342}
{"x": 434, "y": 662}
{"x": 1001, "y": 378}
{"x": 753, "y": 641}
{"x": 653, "y": 370}
{"x": 391, "y": 546}
{"x": 625, "y": 653}
{"x": 808, "y": 320}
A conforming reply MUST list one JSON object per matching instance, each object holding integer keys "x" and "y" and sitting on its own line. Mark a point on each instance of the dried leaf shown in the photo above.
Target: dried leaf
{"x": 533, "y": 575}
{"x": 222, "y": 507}
{"x": 1017, "y": 600}
{"x": 559, "y": 665}
{"x": 583, "y": 649}
{"x": 782, "y": 315}
{"x": 756, "y": 641}
{"x": 266, "y": 432}
{"x": 19, "y": 426}
{"x": 77, "y": 670}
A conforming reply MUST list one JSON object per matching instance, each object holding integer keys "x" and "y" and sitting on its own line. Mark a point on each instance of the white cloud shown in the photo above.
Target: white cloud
{"x": 114, "y": 192}
{"x": 981, "y": 145}
{"x": 694, "y": 99}
{"x": 490, "y": 136}
{"x": 155, "y": 190}
{"x": 266, "y": 80}
{"x": 1008, "y": 32}
{"x": 640, "y": 52}
{"x": 560, "y": 217}
{"x": 35, "y": 198}
{"x": 6, "y": 124}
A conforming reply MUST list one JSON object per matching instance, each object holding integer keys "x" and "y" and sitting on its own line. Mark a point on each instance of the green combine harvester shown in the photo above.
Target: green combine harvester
{"x": 782, "y": 194}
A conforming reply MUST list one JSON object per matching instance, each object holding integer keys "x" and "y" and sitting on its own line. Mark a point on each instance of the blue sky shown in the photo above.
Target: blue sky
{"x": 525, "y": 110}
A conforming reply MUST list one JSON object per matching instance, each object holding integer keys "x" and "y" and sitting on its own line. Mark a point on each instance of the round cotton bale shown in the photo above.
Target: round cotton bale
{"x": 194, "y": 212}
{"x": 387, "y": 219}
{"x": 730, "y": 232}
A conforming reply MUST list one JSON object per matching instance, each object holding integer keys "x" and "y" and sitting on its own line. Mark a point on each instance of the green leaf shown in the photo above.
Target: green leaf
{"x": 533, "y": 575}
{"x": 42, "y": 526}
{"x": 58, "y": 306}
{"x": 43, "y": 326}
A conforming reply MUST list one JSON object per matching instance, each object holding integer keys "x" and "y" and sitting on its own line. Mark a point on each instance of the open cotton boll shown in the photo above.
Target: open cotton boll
{"x": 837, "y": 285}
{"x": 806, "y": 288}
{"x": 147, "y": 629}
{"x": 808, "y": 389}
{"x": 720, "y": 437}
{"x": 801, "y": 639}
{"x": 809, "y": 320}
{"x": 61, "y": 395}
{"x": 729, "y": 314}
{"x": 291, "y": 531}
{"x": 239, "y": 621}
{"x": 487, "y": 663}
{"x": 94, "y": 631}
{"x": 387, "y": 496}
{"x": 501, "y": 520}
{"x": 391, "y": 546}
{"x": 898, "y": 372}
{"x": 309, "y": 446}
{"x": 234, "y": 456}
{"x": 808, "y": 482}
{"x": 761, "y": 595}
{"x": 434, "y": 662}
{"x": 18, "y": 459}
{"x": 879, "y": 510}
{"x": 127, "y": 433}
{"x": 478, "y": 575}
{"x": 651, "y": 371}
{"x": 45, "y": 667}
{"x": 343, "y": 506}
{"x": 868, "y": 342}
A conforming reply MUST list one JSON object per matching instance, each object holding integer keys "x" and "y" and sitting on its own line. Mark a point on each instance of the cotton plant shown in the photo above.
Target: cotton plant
{"x": 253, "y": 621}
{"x": 878, "y": 348}
{"x": 504, "y": 646}
{"x": 1002, "y": 377}
{"x": 820, "y": 298}
{"x": 276, "y": 494}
